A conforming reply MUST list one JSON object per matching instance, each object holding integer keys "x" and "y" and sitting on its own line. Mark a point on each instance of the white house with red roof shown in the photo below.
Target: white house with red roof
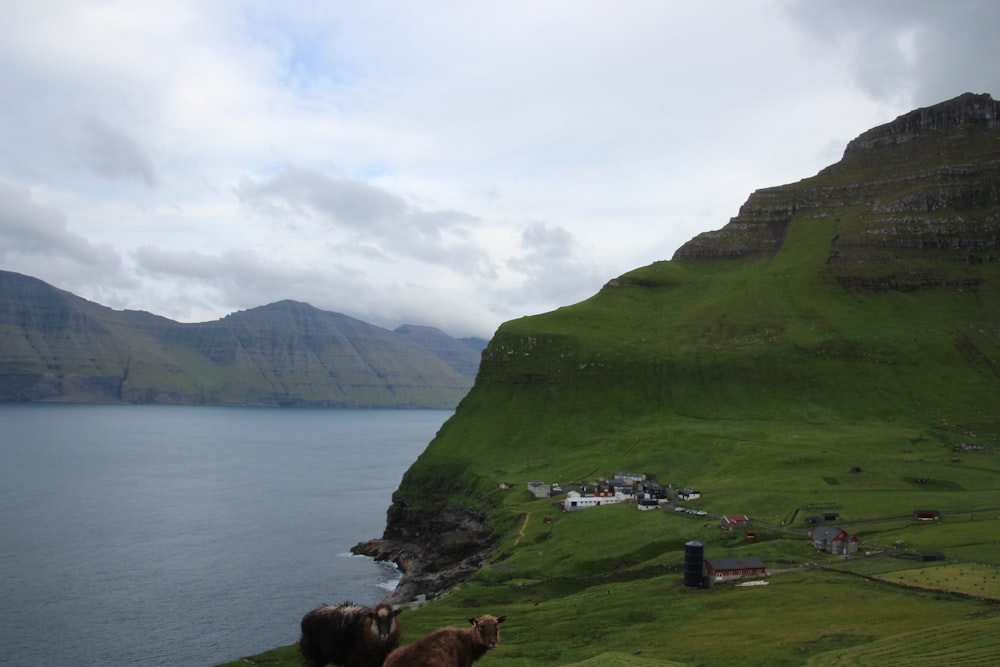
{"x": 734, "y": 521}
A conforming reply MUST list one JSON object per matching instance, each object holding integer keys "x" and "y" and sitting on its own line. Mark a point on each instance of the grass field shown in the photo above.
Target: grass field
{"x": 799, "y": 618}
{"x": 969, "y": 643}
{"x": 606, "y": 584}
{"x": 982, "y": 581}
{"x": 829, "y": 375}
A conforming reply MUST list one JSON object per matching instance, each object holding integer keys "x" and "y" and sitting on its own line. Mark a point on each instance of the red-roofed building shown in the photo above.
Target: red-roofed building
{"x": 834, "y": 540}
{"x": 735, "y": 521}
{"x": 726, "y": 570}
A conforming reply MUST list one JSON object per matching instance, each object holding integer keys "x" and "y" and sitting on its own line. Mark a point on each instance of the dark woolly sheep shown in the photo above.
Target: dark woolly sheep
{"x": 450, "y": 647}
{"x": 348, "y": 634}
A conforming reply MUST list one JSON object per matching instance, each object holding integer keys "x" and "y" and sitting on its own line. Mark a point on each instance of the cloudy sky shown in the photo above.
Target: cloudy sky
{"x": 455, "y": 164}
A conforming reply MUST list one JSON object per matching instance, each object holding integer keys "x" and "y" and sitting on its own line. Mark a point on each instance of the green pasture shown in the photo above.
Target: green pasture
{"x": 657, "y": 621}
{"x": 970, "y": 642}
{"x": 772, "y": 471}
{"x": 967, "y": 578}
{"x": 970, "y": 537}
{"x": 608, "y": 581}
{"x": 776, "y": 392}
{"x": 607, "y": 584}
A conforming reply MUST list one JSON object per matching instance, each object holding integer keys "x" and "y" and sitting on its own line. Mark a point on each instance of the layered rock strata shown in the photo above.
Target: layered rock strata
{"x": 925, "y": 186}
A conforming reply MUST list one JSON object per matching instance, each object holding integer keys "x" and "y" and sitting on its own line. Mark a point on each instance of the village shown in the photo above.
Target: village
{"x": 700, "y": 572}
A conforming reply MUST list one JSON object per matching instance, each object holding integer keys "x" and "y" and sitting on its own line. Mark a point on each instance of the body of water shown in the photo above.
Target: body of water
{"x": 161, "y": 535}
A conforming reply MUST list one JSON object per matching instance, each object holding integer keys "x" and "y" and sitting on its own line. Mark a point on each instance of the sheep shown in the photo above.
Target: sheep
{"x": 450, "y": 647}
{"x": 348, "y": 634}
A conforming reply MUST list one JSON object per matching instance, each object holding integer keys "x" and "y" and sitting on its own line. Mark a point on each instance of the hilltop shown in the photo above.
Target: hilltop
{"x": 58, "y": 347}
{"x": 867, "y": 294}
{"x": 837, "y": 343}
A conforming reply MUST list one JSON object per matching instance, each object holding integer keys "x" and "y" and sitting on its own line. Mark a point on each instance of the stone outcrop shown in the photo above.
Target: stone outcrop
{"x": 434, "y": 551}
{"x": 925, "y": 186}
{"x": 961, "y": 115}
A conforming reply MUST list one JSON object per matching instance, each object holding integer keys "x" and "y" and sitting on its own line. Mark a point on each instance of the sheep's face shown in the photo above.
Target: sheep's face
{"x": 384, "y": 621}
{"x": 487, "y": 630}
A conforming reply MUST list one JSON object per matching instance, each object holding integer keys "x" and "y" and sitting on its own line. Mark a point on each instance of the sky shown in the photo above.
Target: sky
{"x": 454, "y": 164}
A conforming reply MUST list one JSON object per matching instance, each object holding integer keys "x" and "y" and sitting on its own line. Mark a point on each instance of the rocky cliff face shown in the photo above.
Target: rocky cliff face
{"x": 965, "y": 114}
{"x": 925, "y": 186}
{"x": 434, "y": 550}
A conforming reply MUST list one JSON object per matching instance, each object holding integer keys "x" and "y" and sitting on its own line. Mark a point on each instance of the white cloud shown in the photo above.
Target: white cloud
{"x": 113, "y": 154}
{"x": 435, "y": 163}
{"x": 907, "y": 52}
{"x": 32, "y": 234}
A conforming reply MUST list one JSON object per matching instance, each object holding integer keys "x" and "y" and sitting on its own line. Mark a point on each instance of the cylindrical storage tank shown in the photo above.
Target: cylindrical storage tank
{"x": 694, "y": 557}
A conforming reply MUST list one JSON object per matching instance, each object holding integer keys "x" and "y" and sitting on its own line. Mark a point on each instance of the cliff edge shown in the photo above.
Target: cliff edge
{"x": 865, "y": 292}
{"x": 924, "y": 186}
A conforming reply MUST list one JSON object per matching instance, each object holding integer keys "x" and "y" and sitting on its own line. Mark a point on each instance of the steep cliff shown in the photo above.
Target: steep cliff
{"x": 912, "y": 201}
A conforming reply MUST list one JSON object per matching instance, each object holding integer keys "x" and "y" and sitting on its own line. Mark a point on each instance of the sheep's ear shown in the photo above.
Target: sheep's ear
{"x": 501, "y": 619}
{"x": 473, "y": 621}
{"x": 396, "y": 612}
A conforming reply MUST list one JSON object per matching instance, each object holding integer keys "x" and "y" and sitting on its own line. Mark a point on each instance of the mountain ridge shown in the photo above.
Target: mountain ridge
{"x": 59, "y": 347}
{"x": 867, "y": 294}
{"x": 931, "y": 175}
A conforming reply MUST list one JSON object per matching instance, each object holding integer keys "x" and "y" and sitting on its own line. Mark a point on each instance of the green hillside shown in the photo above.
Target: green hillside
{"x": 835, "y": 347}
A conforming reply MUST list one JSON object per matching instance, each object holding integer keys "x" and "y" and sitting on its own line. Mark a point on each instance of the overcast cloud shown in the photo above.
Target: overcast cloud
{"x": 454, "y": 164}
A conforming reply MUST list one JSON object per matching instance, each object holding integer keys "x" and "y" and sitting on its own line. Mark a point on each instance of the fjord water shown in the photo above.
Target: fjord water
{"x": 161, "y": 535}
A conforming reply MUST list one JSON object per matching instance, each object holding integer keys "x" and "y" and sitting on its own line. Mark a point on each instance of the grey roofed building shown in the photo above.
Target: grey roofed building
{"x": 540, "y": 489}
{"x": 834, "y": 540}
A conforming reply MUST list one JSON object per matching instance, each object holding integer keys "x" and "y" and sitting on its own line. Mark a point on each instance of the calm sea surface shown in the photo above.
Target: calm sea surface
{"x": 162, "y": 535}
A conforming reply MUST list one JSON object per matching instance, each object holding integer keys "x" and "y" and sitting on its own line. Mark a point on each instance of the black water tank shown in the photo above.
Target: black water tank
{"x": 694, "y": 557}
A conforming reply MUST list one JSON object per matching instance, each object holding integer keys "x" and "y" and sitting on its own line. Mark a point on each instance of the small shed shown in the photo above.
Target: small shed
{"x": 930, "y": 556}
{"x": 688, "y": 494}
{"x": 927, "y": 515}
{"x": 540, "y": 489}
{"x": 731, "y": 522}
{"x": 727, "y": 570}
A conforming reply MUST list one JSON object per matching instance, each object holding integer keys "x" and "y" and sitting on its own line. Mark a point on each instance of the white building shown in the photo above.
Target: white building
{"x": 688, "y": 494}
{"x": 575, "y": 501}
{"x": 540, "y": 489}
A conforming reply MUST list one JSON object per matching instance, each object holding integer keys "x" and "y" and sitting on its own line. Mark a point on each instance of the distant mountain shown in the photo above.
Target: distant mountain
{"x": 453, "y": 351}
{"x": 58, "y": 347}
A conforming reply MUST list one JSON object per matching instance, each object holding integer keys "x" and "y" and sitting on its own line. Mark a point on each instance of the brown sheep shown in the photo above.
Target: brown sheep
{"x": 348, "y": 634}
{"x": 450, "y": 647}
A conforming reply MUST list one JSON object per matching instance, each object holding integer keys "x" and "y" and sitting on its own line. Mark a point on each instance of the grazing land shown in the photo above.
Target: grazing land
{"x": 606, "y": 584}
{"x": 834, "y": 349}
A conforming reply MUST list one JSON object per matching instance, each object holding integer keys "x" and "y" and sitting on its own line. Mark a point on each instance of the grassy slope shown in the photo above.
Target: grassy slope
{"x": 762, "y": 385}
